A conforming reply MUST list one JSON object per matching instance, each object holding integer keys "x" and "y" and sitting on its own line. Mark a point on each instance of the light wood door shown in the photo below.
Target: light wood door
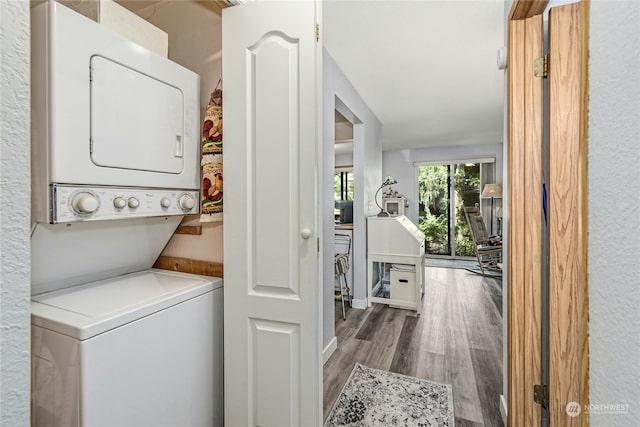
{"x": 568, "y": 385}
{"x": 566, "y": 304}
{"x": 272, "y": 330}
{"x": 525, "y": 221}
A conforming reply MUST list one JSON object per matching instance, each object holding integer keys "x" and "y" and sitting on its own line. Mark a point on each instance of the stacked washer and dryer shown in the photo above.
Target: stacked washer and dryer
{"x": 115, "y": 167}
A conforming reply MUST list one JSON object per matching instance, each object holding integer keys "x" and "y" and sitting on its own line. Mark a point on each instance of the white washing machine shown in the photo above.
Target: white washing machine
{"x": 115, "y": 167}
{"x": 135, "y": 350}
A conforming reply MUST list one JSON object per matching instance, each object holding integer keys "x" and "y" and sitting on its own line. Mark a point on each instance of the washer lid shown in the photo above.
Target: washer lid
{"x": 88, "y": 310}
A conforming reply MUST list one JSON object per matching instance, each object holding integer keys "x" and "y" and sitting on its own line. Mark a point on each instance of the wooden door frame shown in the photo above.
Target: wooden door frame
{"x": 524, "y": 128}
{"x": 524, "y": 250}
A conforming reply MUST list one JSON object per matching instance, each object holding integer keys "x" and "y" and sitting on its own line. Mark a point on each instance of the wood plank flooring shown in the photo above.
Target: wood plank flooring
{"x": 456, "y": 340}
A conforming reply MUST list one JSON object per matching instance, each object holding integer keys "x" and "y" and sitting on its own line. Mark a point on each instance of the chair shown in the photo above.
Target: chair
{"x": 343, "y": 248}
{"x": 488, "y": 248}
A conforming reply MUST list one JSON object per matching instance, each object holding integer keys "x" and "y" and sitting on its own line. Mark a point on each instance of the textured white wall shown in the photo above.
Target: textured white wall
{"x": 367, "y": 162}
{"x": 399, "y": 164}
{"x": 614, "y": 203}
{"x": 14, "y": 213}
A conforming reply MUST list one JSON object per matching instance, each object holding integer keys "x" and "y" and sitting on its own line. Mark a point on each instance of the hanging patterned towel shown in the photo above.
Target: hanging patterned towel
{"x": 212, "y": 195}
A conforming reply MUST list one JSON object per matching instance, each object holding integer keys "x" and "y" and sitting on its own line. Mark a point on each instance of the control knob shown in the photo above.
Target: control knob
{"x": 187, "y": 203}
{"x": 85, "y": 203}
{"x": 119, "y": 203}
{"x": 133, "y": 202}
{"x": 165, "y": 202}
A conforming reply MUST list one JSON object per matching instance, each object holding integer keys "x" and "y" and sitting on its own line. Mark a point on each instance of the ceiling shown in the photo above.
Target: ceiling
{"x": 427, "y": 69}
{"x": 143, "y": 7}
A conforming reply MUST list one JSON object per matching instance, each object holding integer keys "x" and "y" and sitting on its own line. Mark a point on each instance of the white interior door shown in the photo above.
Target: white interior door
{"x": 272, "y": 282}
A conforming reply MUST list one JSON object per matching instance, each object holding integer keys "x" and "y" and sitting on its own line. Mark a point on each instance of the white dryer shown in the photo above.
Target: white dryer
{"x": 115, "y": 167}
{"x": 110, "y": 120}
{"x": 134, "y": 350}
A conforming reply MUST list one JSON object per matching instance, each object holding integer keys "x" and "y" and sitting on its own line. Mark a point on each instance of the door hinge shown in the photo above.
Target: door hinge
{"x": 318, "y": 240}
{"x": 317, "y": 32}
{"x": 541, "y": 395}
{"x": 541, "y": 66}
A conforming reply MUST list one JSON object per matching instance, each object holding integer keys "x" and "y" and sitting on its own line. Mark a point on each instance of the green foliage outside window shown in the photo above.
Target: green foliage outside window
{"x": 433, "y": 193}
{"x": 343, "y": 185}
{"x": 434, "y": 207}
{"x": 467, "y": 187}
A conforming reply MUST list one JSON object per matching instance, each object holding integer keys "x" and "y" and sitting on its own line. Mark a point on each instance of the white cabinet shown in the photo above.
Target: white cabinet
{"x": 402, "y": 284}
{"x": 397, "y": 245}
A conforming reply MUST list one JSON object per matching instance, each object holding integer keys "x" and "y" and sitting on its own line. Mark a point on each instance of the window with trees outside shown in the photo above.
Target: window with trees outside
{"x": 443, "y": 190}
{"x": 342, "y": 186}
{"x": 343, "y": 183}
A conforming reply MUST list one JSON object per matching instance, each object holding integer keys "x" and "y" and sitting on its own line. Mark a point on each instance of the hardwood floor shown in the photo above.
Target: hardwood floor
{"x": 456, "y": 340}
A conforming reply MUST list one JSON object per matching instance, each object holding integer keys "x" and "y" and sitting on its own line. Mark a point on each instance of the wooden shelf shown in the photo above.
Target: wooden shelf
{"x": 184, "y": 265}
{"x": 195, "y": 230}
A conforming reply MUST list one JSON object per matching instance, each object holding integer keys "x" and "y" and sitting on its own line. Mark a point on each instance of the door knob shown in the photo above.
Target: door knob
{"x": 305, "y": 233}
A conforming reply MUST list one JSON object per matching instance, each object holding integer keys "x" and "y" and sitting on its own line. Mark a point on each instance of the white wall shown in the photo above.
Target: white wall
{"x": 613, "y": 206}
{"x": 399, "y": 164}
{"x": 367, "y": 162}
{"x": 15, "y": 213}
{"x": 344, "y": 159}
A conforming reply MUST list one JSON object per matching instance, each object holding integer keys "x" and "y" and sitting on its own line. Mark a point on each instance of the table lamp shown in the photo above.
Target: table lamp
{"x": 387, "y": 181}
{"x": 492, "y": 191}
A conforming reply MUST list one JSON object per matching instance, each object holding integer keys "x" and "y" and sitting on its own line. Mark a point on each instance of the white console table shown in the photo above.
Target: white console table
{"x": 395, "y": 240}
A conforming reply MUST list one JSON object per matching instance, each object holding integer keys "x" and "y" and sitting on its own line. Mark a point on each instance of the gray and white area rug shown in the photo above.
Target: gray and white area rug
{"x": 379, "y": 398}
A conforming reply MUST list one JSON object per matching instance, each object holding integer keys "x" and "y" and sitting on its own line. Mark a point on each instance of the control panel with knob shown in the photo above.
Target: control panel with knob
{"x": 82, "y": 203}
{"x": 187, "y": 202}
{"x": 133, "y": 202}
{"x": 119, "y": 203}
{"x": 85, "y": 203}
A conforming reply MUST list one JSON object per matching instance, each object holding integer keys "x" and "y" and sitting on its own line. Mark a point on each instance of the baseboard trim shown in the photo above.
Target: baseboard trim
{"x": 360, "y": 304}
{"x": 503, "y": 409}
{"x": 329, "y": 349}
